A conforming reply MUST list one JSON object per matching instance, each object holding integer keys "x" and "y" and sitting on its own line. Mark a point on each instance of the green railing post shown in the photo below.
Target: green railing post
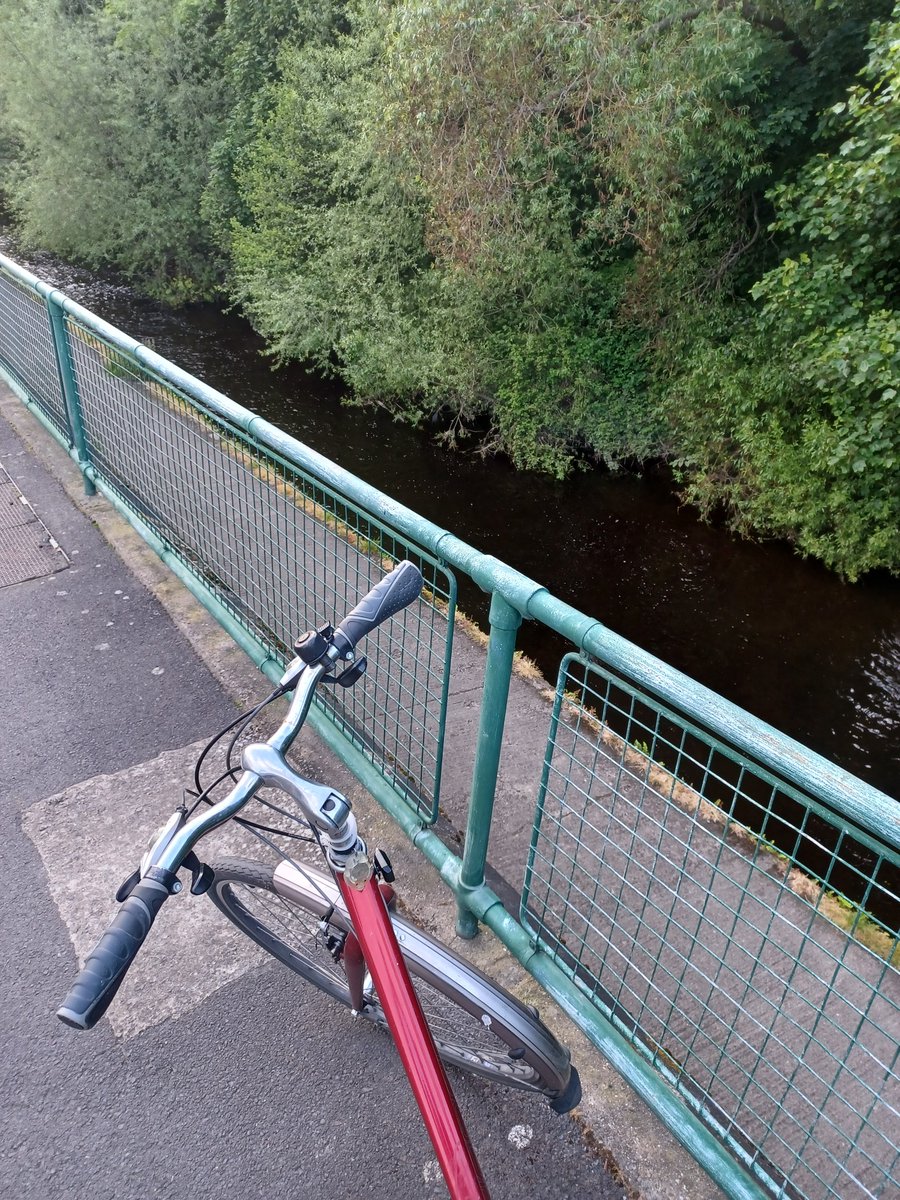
{"x": 69, "y": 386}
{"x": 505, "y": 621}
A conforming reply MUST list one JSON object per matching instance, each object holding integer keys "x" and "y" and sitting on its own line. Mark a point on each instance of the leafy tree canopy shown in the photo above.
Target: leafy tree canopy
{"x": 579, "y": 233}
{"x": 114, "y": 107}
{"x": 805, "y": 441}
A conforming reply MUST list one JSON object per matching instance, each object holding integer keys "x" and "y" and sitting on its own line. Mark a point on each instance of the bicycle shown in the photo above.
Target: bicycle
{"x": 349, "y": 944}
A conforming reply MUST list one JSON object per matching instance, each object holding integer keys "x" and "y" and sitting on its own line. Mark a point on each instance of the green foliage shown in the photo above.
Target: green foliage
{"x": 585, "y": 233}
{"x": 114, "y": 107}
{"x": 793, "y": 422}
{"x": 667, "y": 114}
{"x": 573, "y": 386}
{"x": 249, "y": 42}
{"x": 330, "y": 261}
{"x": 335, "y": 263}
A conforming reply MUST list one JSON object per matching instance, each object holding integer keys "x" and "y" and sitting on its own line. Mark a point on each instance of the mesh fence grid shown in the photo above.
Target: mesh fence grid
{"x": 26, "y": 348}
{"x": 280, "y": 550}
{"x": 740, "y": 935}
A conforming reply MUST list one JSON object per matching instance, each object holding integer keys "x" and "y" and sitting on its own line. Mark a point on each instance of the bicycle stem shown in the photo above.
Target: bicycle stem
{"x": 170, "y": 856}
{"x": 325, "y": 809}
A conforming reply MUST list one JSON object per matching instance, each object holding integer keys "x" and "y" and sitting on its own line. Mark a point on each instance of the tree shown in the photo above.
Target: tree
{"x": 802, "y": 433}
{"x": 248, "y": 46}
{"x": 115, "y": 107}
{"x": 581, "y": 233}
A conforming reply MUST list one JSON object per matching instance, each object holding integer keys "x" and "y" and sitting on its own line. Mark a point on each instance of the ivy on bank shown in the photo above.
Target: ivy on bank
{"x": 793, "y": 416}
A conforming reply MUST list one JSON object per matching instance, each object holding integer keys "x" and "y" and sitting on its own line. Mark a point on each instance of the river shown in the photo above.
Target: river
{"x": 778, "y": 635}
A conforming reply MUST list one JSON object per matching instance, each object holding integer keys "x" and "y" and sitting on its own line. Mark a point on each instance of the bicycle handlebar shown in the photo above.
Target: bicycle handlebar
{"x": 106, "y": 965}
{"x": 397, "y": 589}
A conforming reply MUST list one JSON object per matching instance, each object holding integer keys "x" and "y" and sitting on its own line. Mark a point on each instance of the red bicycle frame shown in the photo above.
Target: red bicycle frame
{"x": 431, "y": 1088}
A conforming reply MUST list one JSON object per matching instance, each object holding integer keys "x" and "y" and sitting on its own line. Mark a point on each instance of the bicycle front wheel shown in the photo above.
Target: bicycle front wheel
{"x": 476, "y": 1025}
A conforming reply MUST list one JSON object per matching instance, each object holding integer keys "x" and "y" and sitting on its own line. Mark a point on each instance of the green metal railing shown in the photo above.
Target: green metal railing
{"x": 715, "y": 905}
{"x": 28, "y": 347}
{"x": 277, "y": 547}
{"x": 663, "y": 879}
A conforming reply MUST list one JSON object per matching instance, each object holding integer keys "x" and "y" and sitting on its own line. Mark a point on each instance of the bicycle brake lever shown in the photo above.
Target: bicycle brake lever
{"x": 350, "y": 676}
{"x": 201, "y": 878}
{"x": 124, "y": 890}
{"x": 201, "y": 874}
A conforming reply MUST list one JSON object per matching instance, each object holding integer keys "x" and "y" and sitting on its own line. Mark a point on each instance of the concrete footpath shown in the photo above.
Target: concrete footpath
{"x": 216, "y": 1073}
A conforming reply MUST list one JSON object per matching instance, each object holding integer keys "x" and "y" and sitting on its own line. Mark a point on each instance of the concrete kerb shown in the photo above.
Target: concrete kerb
{"x": 614, "y": 1122}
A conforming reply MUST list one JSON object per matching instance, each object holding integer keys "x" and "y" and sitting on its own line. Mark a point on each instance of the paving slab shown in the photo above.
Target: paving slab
{"x": 88, "y": 849}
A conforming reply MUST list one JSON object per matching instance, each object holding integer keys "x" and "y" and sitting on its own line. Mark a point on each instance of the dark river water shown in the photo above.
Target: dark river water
{"x": 780, "y": 636}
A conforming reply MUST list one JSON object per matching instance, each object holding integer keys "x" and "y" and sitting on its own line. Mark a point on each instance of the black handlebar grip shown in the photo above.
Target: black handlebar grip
{"x": 395, "y": 591}
{"x": 106, "y": 965}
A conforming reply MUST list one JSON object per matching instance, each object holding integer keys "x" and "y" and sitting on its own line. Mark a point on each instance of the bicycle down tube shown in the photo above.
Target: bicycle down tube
{"x": 330, "y": 816}
{"x": 415, "y": 1044}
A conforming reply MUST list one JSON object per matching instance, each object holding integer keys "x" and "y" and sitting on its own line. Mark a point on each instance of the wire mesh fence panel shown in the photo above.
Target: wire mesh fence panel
{"x": 741, "y": 935}
{"x": 283, "y": 552}
{"x": 26, "y": 349}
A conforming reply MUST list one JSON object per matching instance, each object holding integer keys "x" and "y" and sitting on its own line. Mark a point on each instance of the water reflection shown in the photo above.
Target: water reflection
{"x": 876, "y": 702}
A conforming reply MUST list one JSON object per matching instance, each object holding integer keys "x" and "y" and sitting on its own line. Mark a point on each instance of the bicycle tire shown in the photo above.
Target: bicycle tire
{"x": 477, "y": 1026}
